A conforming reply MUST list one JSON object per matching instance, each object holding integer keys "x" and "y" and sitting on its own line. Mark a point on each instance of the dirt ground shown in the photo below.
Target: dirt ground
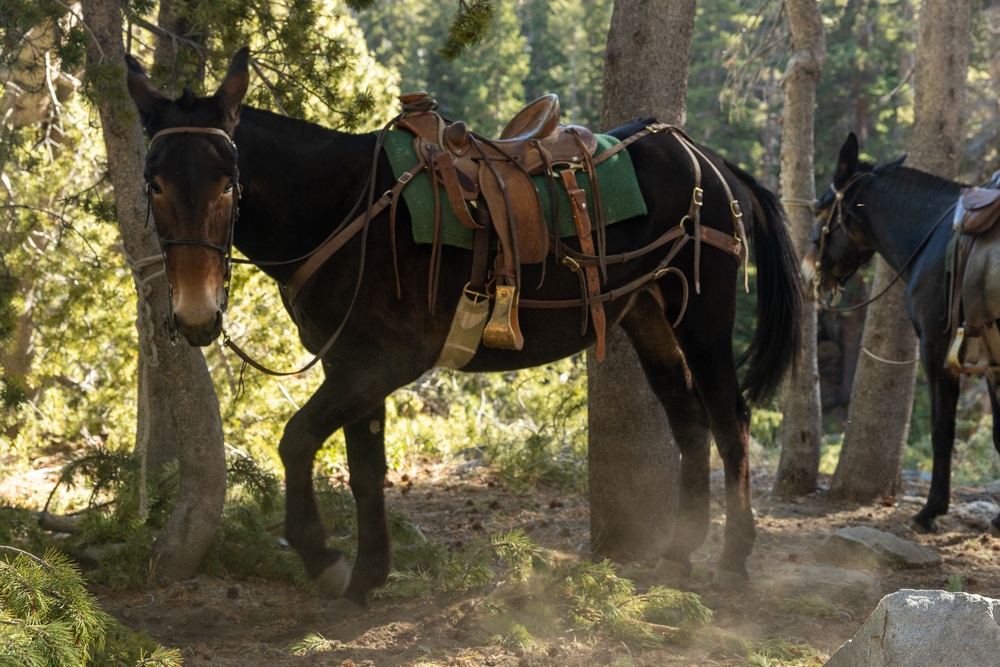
{"x": 252, "y": 622}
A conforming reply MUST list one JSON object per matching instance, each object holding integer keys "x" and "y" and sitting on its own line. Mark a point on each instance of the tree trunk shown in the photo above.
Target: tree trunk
{"x": 801, "y": 430}
{"x": 633, "y": 461}
{"x": 183, "y": 375}
{"x": 879, "y": 417}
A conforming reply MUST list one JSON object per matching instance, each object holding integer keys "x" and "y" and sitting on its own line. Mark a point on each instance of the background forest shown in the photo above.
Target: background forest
{"x": 67, "y": 301}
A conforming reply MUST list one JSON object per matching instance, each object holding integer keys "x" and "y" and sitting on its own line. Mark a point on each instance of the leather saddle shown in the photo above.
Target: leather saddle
{"x": 975, "y": 286}
{"x": 492, "y": 177}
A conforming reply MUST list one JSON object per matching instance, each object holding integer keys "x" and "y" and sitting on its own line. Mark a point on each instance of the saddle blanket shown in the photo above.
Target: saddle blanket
{"x": 619, "y": 193}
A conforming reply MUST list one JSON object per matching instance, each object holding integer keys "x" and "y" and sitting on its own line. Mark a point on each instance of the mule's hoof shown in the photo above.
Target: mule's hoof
{"x": 334, "y": 580}
{"x": 922, "y": 529}
{"x": 730, "y": 581}
{"x": 671, "y": 571}
{"x": 342, "y": 609}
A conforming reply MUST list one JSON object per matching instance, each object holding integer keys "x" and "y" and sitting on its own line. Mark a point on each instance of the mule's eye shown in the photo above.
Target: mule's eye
{"x": 229, "y": 188}
{"x": 153, "y": 188}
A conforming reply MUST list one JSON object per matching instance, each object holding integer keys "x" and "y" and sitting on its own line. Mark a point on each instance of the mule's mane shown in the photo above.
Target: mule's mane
{"x": 269, "y": 121}
{"x": 913, "y": 184}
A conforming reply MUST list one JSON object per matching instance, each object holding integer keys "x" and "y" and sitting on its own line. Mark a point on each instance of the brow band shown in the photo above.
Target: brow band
{"x": 184, "y": 129}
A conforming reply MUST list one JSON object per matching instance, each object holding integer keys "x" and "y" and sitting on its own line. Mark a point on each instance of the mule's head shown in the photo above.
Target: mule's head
{"x": 192, "y": 183}
{"x": 841, "y": 243}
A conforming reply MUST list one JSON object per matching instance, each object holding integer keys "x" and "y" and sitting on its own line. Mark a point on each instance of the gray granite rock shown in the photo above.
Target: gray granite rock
{"x": 926, "y": 629}
{"x": 863, "y": 545}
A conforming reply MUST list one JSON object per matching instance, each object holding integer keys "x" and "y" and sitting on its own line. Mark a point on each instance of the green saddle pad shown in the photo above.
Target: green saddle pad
{"x": 619, "y": 193}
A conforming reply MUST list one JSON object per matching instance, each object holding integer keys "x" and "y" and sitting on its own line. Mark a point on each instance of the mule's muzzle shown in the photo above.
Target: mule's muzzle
{"x": 199, "y": 335}
{"x": 823, "y": 287}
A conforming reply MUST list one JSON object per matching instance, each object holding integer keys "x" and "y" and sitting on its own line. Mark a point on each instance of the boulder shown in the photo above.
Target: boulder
{"x": 977, "y": 514}
{"x": 926, "y": 629}
{"x": 863, "y": 545}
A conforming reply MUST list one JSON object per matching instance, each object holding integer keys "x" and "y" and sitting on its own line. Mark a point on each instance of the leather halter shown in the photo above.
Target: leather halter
{"x": 834, "y": 219}
{"x": 226, "y": 247}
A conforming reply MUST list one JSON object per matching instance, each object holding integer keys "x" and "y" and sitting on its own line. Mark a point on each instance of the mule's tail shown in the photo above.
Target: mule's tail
{"x": 775, "y": 340}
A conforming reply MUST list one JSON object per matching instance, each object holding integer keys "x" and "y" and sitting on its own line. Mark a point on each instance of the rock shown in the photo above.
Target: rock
{"x": 863, "y": 545}
{"x": 978, "y": 514}
{"x": 926, "y": 629}
{"x": 993, "y": 487}
{"x": 836, "y": 584}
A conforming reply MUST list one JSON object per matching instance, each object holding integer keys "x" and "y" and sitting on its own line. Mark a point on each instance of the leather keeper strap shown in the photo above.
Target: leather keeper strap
{"x": 578, "y": 201}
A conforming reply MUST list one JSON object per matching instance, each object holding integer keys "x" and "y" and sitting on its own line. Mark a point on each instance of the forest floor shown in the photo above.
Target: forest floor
{"x": 250, "y": 622}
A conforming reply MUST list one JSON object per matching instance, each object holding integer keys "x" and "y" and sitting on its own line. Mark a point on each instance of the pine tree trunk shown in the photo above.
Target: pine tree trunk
{"x": 879, "y": 417}
{"x": 801, "y": 430}
{"x": 184, "y": 384}
{"x": 633, "y": 461}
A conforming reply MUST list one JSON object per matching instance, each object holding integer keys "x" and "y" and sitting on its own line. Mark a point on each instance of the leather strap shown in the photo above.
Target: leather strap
{"x": 578, "y": 201}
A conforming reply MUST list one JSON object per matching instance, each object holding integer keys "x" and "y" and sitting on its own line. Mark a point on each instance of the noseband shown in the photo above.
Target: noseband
{"x": 226, "y": 248}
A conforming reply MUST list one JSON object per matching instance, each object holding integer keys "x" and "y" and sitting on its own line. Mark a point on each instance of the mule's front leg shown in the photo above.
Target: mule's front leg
{"x": 304, "y": 434}
{"x": 366, "y": 459}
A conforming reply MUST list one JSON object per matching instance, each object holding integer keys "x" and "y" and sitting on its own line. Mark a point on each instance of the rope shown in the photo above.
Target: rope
{"x": 794, "y": 201}
{"x": 148, "y": 354}
{"x": 905, "y": 362}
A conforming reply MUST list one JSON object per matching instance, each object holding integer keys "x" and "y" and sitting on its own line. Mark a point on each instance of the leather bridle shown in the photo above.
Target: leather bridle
{"x": 834, "y": 219}
{"x": 225, "y": 249}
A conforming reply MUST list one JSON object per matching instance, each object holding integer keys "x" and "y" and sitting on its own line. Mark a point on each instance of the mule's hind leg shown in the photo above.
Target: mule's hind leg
{"x": 708, "y": 352}
{"x": 670, "y": 380}
{"x": 993, "y": 381}
{"x": 944, "y": 390}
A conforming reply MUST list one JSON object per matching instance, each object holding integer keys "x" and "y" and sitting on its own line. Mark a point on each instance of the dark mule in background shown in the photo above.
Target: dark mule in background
{"x": 905, "y": 215}
{"x": 294, "y": 181}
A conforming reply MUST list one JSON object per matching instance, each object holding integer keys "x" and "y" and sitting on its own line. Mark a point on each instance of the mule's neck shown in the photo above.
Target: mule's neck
{"x": 300, "y": 180}
{"x": 902, "y": 208}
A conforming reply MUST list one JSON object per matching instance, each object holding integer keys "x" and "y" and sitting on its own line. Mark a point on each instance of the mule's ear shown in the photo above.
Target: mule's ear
{"x": 847, "y": 163}
{"x": 231, "y": 91}
{"x": 146, "y": 97}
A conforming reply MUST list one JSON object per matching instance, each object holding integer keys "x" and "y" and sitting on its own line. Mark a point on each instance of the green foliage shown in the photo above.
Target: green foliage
{"x": 816, "y": 606}
{"x": 47, "y": 618}
{"x": 528, "y": 591}
{"x": 771, "y": 652}
{"x": 484, "y": 87}
{"x": 469, "y": 26}
{"x": 313, "y": 643}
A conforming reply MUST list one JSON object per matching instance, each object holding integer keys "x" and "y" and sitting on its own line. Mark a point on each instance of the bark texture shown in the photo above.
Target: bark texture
{"x": 184, "y": 385}
{"x": 633, "y": 461}
{"x": 801, "y": 430}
